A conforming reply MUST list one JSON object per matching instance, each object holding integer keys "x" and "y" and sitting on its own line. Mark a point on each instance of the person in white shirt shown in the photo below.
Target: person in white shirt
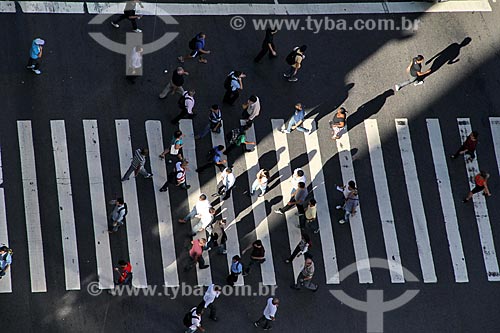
{"x": 297, "y": 177}
{"x": 260, "y": 182}
{"x": 195, "y": 320}
{"x": 186, "y": 104}
{"x": 211, "y": 294}
{"x": 227, "y": 179}
{"x": 201, "y": 206}
{"x": 269, "y": 314}
{"x": 206, "y": 218}
{"x": 135, "y": 65}
{"x": 251, "y": 109}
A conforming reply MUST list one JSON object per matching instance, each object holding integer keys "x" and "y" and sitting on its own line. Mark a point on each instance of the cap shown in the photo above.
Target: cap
{"x": 39, "y": 41}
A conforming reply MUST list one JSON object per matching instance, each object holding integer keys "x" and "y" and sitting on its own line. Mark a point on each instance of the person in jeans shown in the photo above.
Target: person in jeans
{"x": 311, "y": 217}
{"x": 481, "y": 181}
{"x": 297, "y": 120}
{"x": 36, "y": 52}
{"x": 297, "y": 199}
{"x": 214, "y": 122}
{"x": 257, "y": 256}
{"x": 137, "y": 165}
{"x": 202, "y": 206}
{"x": 175, "y": 84}
{"x": 260, "y": 182}
{"x": 5, "y": 260}
{"x": 468, "y": 147}
{"x": 117, "y": 217}
{"x": 269, "y": 314}
{"x": 415, "y": 72}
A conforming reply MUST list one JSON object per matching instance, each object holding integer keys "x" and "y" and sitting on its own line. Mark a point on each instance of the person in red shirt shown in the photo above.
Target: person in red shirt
{"x": 195, "y": 254}
{"x": 481, "y": 180}
{"x": 124, "y": 271}
{"x": 468, "y": 147}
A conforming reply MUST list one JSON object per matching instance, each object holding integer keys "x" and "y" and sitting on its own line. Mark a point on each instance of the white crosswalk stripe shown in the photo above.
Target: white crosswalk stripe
{"x": 6, "y": 283}
{"x": 495, "y": 132}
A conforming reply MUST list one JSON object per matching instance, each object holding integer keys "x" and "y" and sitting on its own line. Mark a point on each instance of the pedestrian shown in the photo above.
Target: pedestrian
{"x": 267, "y": 45}
{"x": 36, "y": 53}
{"x": 237, "y": 138}
{"x": 211, "y": 294}
{"x": 468, "y": 147}
{"x": 294, "y": 60}
{"x": 251, "y": 109}
{"x": 235, "y": 271}
{"x": 197, "y": 47}
{"x": 129, "y": 14}
{"x": 305, "y": 276}
{"x": 205, "y": 219}
{"x": 175, "y": 84}
{"x": 135, "y": 66}
{"x": 124, "y": 272}
{"x": 218, "y": 236}
{"x": 260, "y": 181}
{"x": 233, "y": 85}
{"x": 297, "y": 199}
{"x": 227, "y": 180}
{"x": 201, "y": 206}
{"x": 195, "y": 254}
{"x": 297, "y": 120}
{"x": 351, "y": 201}
{"x": 302, "y": 247}
{"x": 311, "y": 218}
{"x": 257, "y": 256}
{"x": 337, "y": 124}
{"x": 186, "y": 104}
{"x": 269, "y": 314}
{"x": 137, "y": 165}
{"x": 297, "y": 177}
{"x": 192, "y": 320}
{"x": 118, "y": 215}
{"x": 214, "y": 157}
{"x": 175, "y": 149}
{"x": 214, "y": 122}
{"x": 178, "y": 176}
{"x": 481, "y": 182}
{"x": 5, "y": 260}
{"x": 415, "y": 72}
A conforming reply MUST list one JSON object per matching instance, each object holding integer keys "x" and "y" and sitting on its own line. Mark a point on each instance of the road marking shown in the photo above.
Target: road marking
{"x": 495, "y": 133}
{"x": 189, "y": 150}
{"x": 65, "y": 199}
{"x": 163, "y": 207}
{"x": 31, "y": 207}
{"x": 481, "y": 210}
{"x": 384, "y": 201}
{"x": 133, "y": 224}
{"x": 7, "y": 7}
{"x": 416, "y": 204}
{"x": 6, "y": 283}
{"x": 356, "y": 222}
{"x": 52, "y": 7}
{"x": 447, "y": 202}
{"x": 98, "y": 200}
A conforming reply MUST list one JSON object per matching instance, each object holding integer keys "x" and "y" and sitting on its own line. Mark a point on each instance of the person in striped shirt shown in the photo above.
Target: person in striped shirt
{"x": 137, "y": 165}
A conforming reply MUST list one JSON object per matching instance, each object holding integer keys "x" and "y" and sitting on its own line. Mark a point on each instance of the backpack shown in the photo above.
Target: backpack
{"x": 9, "y": 251}
{"x": 235, "y": 135}
{"x": 290, "y": 58}
{"x": 192, "y": 43}
{"x": 188, "y": 318}
{"x": 228, "y": 80}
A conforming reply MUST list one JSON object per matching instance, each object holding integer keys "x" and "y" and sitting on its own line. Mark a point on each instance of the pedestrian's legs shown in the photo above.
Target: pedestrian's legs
{"x": 300, "y": 209}
{"x": 134, "y": 23}
{"x": 228, "y": 193}
{"x": 261, "y": 54}
{"x": 255, "y": 184}
{"x": 191, "y": 214}
{"x": 313, "y": 225}
{"x": 33, "y": 64}
{"x": 201, "y": 262}
{"x": 203, "y": 132}
{"x": 290, "y": 72}
{"x": 260, "y": 321}
{"x": 411, "y": 80}
{"x": 230, "y": 148}
{"x": 285, "y": 208}
{"x": 302, "y": 129}
{"x": 122, "y": 17}
{"x": 227, "y": 96}
{"x": 268, "y": 324}
{"x": 347, "y": 215}
{"x": 290, "y": 124}
{"x": 190, "y": 264}
{"x": 143, "y": 172}
{"x": 294, "y": 253}
{"x": 247, "y": 269}
{"x": 181, "y": 115}
{"x": 128, "y": 173}
{"x": 196, "y": 227}
{"x": 168, "y": 90}
{"x": 213, "y": 311}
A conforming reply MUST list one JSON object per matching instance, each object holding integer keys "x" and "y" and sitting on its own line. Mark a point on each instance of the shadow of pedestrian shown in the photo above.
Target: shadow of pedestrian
{"x": 340, "y": 97}
{"x": 447, "y": 56}
{"x": 368, "y": 109}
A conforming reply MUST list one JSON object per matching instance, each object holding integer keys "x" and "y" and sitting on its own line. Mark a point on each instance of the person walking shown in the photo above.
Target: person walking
{"x": 206, "y": 219}
{"x": 238, "y": 138}
{"x": 118, "y": 215}
{"x": 227, "y": 180}
{"x": 214, "y": 122}
{"x": 468, "y": 147}
{"x": 260, "y": 181}
{"x": 36, "y": 53}
{"x": 195, "y": 255}
{"x": 186, "y": 104}
{"x": 214, "y": 157}
{"x": 202, "y": 206}
{"x": 294, "y": 60}
{"x": 135, "y": 66}
{"x": 269, "y": 314}
{"x": 197, "y": 47}
{"x": 137, "y": 165}
{"x": 311, "y": 218}
{"x": 235, "y": 271}
{"x": 175, "y": 150}
{"x": 218, "y": 236}
{"x": 211, "y": 294}
{"x": 297, "y": 199}
{"x": 257, "y": 256}
{"x": 267, "y": 46}
{"x": 192, "y": 320}
{"x": 302, "y": 247}
{"x": 5, "y": 260}
{"x": 481, "y": 182}
{"x": 337, "y": 124}
{"x": 175, "y": 84}
{"x": 415, "y": 72}
{"x": 178, "y": 176}
{"x": 129, "y": 14}
{"x": 297, "y": 120}
{"x": 124, "y": 273}
{"x": 251, "y": 109}
{"x": 351, "y": 200}
{"x": 233, "y": 85}
{"x": 305, "y": 276}
{"x": 297, "y": 177}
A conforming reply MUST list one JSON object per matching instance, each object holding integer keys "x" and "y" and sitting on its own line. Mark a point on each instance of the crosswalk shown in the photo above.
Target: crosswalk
{"x": 160, "y": 223}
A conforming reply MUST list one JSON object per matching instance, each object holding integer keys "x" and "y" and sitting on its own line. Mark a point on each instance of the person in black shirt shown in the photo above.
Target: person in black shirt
{"x": 256, "y": 256}
{"x": 415, "y": 71}
{"x": 129, "y": 13}
{"x": 267, "y": 45}
{"x": 175, "y": 84}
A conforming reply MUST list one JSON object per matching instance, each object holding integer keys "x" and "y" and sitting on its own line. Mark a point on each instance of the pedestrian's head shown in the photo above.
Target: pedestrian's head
{"x": 202, "y": 241}
{"x": 211, "y": 210}
{"x": 3, "y": 249}
{"x": 145, "y": 151}
{"x": 119, "y": 201}
{"x": 271, "y": 31}
{"x": 203, "y": 196}
{"x": 276, "y": 301}
{"x": 122, "y": 263}
{"x": 312, "y": 202}
{"x": 305, "y": 237}
{"x": 139, "y": 49}
{"x": 309, "y": 262}
{"x": 201, "y": 35}
{"x": 341, "y": 110}
{"x": 180, "y": 70}
{"x": 39, "y": 41}
{"x": 177, "y": 134}
{"x": 352, "y": 184}
{"x": 214, "y": 107}
{"x": 300, "y": 172}
{"x": 258, "y": 243}
{"x": 217, "y": 288}
{"x": 185, "y": 163}
{"x": 244, "y": 128}
{"x": 220, "y": 147}
{"x": 298, "y": 106}
{"x": 484, "y": 174}
{"x": 252, "y": 99}
{"x": 303, "y": 48}
{"x": 236, "y": 258}
{"x": 191, "y": 92}
{"x": 229, "y": 170}
{"x": 302, "y": 185}
{"x": 420, "y": 58}
{"x": 474, "y": 134}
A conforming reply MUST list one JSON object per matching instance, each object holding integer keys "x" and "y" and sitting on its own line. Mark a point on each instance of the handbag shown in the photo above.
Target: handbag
{"x": 173, "y": 151}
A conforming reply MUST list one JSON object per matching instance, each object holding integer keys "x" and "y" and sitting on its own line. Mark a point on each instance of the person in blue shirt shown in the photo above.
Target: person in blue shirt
{"x": 233, "y": 85}
{"x": 236, "y": 269}
{"x": 197, "y": 46}
{"x": 35, "y": 55}
{"x": 5, "y": 260}
{"x": 214, "y": 158}
{"x": 297, "y": 120}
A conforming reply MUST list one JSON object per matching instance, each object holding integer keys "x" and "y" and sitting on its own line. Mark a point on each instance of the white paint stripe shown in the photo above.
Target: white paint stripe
{"x": 384, "y": 201}
{"x": 442, "y": 7}
{"x": 133, "y": 220}
{"x": 323, "y": 215}
{"x": 495, "y": 133}
{"x": 31, "y": 207}
{"x": 232, "y": 243}
{"x": 416, "y": 204}
{"x": 356, "y": 222}
{"x": 163, "y": 207}
{"x": 481, "y": 210}
{"x": 7, "y": 7}
{"x": 285, "y": 172}
{"x": 186, "y": 126}
{"x": 52, "y": 7}
{"x": 98, "y": 200}
{"x": 447, "y": 202}
{"x": 65, "y": 197}
{"x": 5, "y": 283}
{"x": 259, "y": 213}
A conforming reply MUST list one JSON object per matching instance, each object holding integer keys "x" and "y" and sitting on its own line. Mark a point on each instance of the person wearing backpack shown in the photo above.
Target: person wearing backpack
{"x": 192, "y": 319}
{"x": 237, "y": 138}
{"x": 197, "y": 47}
{"x": 117, "y": 217}
{"x": 186, "y": 104}
{"x": 233, "y": 85}
{"x": 5, "y": 260}
{"x": 294, "y": 59}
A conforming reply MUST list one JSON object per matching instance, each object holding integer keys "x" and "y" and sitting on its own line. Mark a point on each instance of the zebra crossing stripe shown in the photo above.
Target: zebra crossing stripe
{"x": 189, "y": 150}
{"x": 65, "y": 199}
{"x": 384, "y": 201}
{"x": 133, "y": 226}
{"x": 447, "y": 202}
{"x": 163, "y": 207}
{"x": 482, "y": 217}
{"x": 98, "y": 200}
{"x": 52, "y": 7}
{"x": 31, "y": 207}
{"x": 495, "y": 133}
{"x": 416, "y": 204}
{"x": 356, "y": 222}
{"x": 6, "y": 283}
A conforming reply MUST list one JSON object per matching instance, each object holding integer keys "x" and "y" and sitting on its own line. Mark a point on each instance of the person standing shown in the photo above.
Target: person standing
{"x": 218, "y": 236}
{"x": 129, "y": 14}
{"x": 294, "y": 59}
{"x": 175, "y": 84}
{"x": 235, "y": 271}
{"x": 415, "y": 72}
{"x": 301, "y": 248}
{"x": 178, "y": 176}
{"x": 137, "y": 165}
{"x": 186, "y": 104}
{"x": 260, "y": 182}
{"x": 481, "y": 181}
{"x": 117, "y": 217}
{"x": 175, "y": 150}
{"x": 195, "y": 255}
{"x": 202, "y": 206}
{"x": 297, "y": 199}
{"x": 5, "y": 260}
{"x": 267, "y": 46}
{"x": 257, "y": 256}
{"x": 269, "y": 314}
{"x": 297, "y": 120}
{"x": 192, "y": 320}
{"x": 36, "y": 52}
{"x": 233, "y": 85}
{"x": 351, "y": 201}
{"x": 124, "y": 272}
{"x": 305, "y": 276}
{"x": 227, "y": 179}
{"x": 135, "y": 66}
{"x": 214, "y": 122}
{"x": 337, "y": 124}
{"x": 211, "y": 294}
{"x": 468, "y": 147}
{"x": 206, "y": 219}
{"x": 311, "y": 217}
{"x": 237, "y": 138}
{"x": 214, "y": 157}
{"x": 197, "y": 46}
{"x": 251, "y": 109}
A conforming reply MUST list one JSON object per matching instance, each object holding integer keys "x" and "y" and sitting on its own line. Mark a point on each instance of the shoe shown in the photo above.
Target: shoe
{"x": 137, "y": 30}
{"x": 418, "y": 83}
{"x": 163, "y": 189}
{"x": 188, "y": 187}
{"x": 397, "y": 87}
{"x": 124, "y": 179}
{"x": 278, "y": 211}
{"x": 244, "y": 274}
{"x": 293, "y": 79}
{"x": 287, "y": 261}
{"x": 149, "y": 176}
{"x": 256, "y": 324}
{"x": 340, "y": 189}
{"x": 299, "y": 214}
{"x": 267, "y": 329}
{"x": 286, "y": 75}
{"x": 181, "y": 221}
{"x": 261, "y": 195}
{"x": 224, "y": 252}
{"x": 37, "y": 71}
{"x": 116, "y": 25}
{"x": 316, "y": 231}
{"x": 338, "y": 207}
{"x": 285, "y": 131}
{"x": 248, "y": 150}
{"x": 342, "y": 221}
{"x": 181, "y": 59}
{"x": 453, "y": 156}
{"x": 30, "y": 67}
{"x": 465, "y": 200}
{"x": 204, "y": 266}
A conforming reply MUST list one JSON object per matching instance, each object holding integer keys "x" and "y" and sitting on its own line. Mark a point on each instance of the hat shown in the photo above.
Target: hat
{"x": 39, "y": 41}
